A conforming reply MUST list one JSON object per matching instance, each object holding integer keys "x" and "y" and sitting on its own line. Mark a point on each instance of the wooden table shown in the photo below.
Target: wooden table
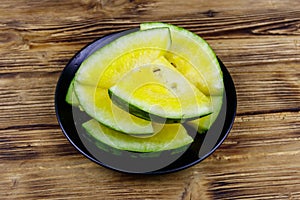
{"x": 258, "y": 41}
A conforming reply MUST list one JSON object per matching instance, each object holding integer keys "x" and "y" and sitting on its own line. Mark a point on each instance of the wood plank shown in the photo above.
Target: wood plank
{"x": 263, "y": 88}
{"x": 259, "y": 159}
{"x": 260, "y": 89}
{"x": 260, "y": 131}
{"x": 123, "y": 9}
{"x": 259, "y": 43}
{"x": 30, "y": 44}
{"x": 254, "y": 51}
{"x": 262, "y": 165}
{"x": 258, "y": 51}
{"x": 28, "y": 99}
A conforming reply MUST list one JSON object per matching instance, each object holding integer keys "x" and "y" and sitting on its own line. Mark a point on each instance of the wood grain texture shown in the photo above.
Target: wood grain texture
{"x": 258, "y": 41}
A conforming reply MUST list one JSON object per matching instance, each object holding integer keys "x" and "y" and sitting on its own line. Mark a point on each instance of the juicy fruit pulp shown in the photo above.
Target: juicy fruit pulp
{"x": 121, "y": 55}
{"x": 169, "y": 137}
{"x": 160, "y": 90}
{"x": 161, "y": 71}
{"x": 96, "y": 74}
{"x": 193, "y": 57}
{"x": 111, "y": 115}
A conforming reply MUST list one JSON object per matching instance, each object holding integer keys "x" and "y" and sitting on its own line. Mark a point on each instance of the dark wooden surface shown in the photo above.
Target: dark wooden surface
{"x": 258, "y": 41}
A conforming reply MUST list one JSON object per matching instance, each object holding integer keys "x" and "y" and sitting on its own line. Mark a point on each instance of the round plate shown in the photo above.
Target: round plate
{"x": 70, "y": 119}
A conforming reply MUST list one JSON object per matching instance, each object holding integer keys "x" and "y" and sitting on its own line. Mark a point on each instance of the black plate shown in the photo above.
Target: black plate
{"x": 70, "y": 120}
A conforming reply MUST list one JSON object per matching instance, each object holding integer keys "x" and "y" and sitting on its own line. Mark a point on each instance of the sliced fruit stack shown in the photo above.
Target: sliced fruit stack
{"x": 140, "y": 88}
